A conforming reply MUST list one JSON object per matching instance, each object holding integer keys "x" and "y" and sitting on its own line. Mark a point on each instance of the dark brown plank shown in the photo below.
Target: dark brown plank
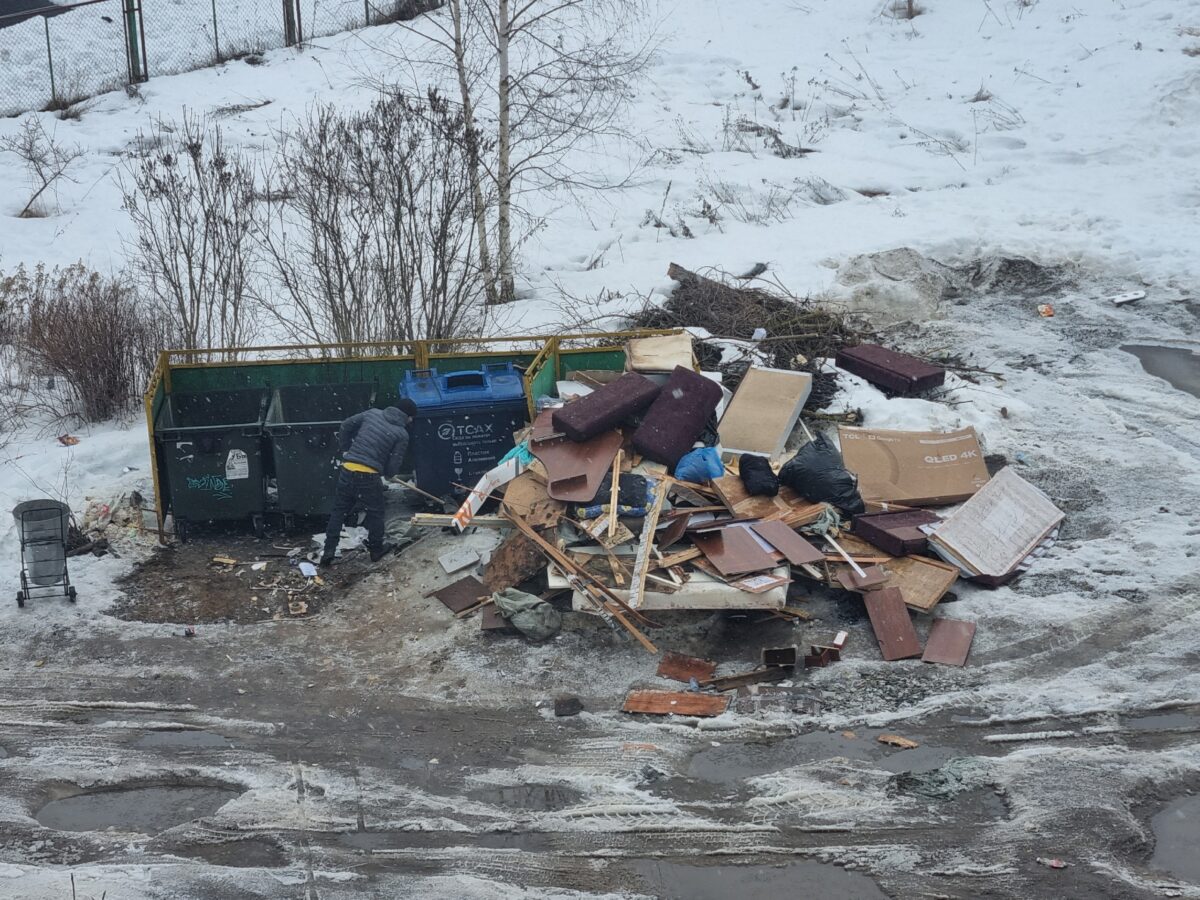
{"x": 798, "y": 551}
{"x": 892, "y": 624}
{"x": 494, "y": 622}
{"x": 949, "y": 642}
{"x": 756, "y": 676}
{"x": 733, "y": 551}
{"x": 678, "y": 703}
{"x": 461, "y": 594}
{"x": 684, "y": 668}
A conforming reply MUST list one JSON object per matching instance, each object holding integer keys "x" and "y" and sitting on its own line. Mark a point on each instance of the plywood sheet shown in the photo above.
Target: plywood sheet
{"x": 892, "y": 624}
{"x": 949, "y": 642}
{"x": 764, "y": 410}
{"x": 733, "y": 551}
{"x": 677, "y": 703}
{"x": 684, "y": 668}
{"x": 922, "y": 581}
{"x": 795, "y": 549}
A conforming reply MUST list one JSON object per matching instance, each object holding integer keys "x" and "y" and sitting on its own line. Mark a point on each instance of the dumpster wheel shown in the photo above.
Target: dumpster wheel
{"x": 260, "y": 529}
{"x": 71, "y": 593}
{"x": 21, "y": 599}
{"x": 181, "y": 531}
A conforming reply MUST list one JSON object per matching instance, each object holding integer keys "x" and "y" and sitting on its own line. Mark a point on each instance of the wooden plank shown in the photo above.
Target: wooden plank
{"x": 461, "y": 594}
{"x": 614, "y": 492}
{"x": 684, "y": 668}
{"x": 677, "y": 703}
{"x": 436, "y": 520}
{"x": 949, "y": 642}
{"x": 796, "y": 549}
{"x": 679, "y": 558}
{"x": 892, "y": 624}
{"x": 757, "y": 676}
{"x": 733, "y": 551}
{"x": 642, "y": 561}
{"x": 733, "y": 494}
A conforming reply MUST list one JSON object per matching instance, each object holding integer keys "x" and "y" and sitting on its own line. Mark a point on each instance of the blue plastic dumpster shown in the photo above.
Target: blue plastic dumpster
{"x": 464, "y": 424}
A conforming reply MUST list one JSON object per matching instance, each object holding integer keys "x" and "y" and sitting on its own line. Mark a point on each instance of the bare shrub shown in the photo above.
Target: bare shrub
{"x": 90, "y": 331}
{"x": 193, "y": 205}
{"x": 372, "y": 231}
{"x": 46, "y": 161}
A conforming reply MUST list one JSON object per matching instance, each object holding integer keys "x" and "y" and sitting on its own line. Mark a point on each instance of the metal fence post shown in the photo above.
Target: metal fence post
{"x": 135, "y": 40}
{"x": 289, "y": 23}
{"x": 366, "y": 12}
{"x": 216, "y": 40}
{"x": 50, "y": 60}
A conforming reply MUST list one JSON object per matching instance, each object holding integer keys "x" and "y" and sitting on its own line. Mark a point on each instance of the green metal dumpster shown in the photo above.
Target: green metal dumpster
{"x": 302, "y": 431}
{"x": 210, "y": 450}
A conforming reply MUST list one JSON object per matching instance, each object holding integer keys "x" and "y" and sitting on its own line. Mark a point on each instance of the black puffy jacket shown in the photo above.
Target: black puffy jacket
{"x": 377, "y": 438}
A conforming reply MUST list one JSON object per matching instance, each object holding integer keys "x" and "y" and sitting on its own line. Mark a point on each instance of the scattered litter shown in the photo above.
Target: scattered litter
{"x": 458, "y": 558}
{"x": 1045, "y": 310}
{"x": 297, "y": 608}
{"x": 463, "y": 594}
{"x": 1127, "y": 297}
{"x": 225, "y": 560}
{"x": 567, "y": 706}
{"x": 68, "y": 440}
{"x": 1052, "y": 863}
{"x": 39, "y": 663}
{"x": 685, "y": 668}
{"x": 258, "y": 566}
{"x": 892, "y": 624}
{"x": 949, "y": 642}
{"x": 896, "y": 741}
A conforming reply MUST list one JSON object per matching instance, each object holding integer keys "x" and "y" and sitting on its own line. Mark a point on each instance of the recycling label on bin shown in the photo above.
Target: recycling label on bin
{"x": 237, "y": 465}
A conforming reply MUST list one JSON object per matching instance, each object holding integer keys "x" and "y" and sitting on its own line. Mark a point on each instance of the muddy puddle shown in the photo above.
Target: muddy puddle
{"x": 248, "y": 854}
{"x": 1177, "y": 835}
{"x": 1166, "y": 722}
{"x": 180, "y": 740}
{"x": 800, "y": 878}
{"x": 1178, "y": 366}
{"x": 144, "y": 810}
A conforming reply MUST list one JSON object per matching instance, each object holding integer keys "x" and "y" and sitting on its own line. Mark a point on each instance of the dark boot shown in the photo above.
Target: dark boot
{"x": 384, "y": 550}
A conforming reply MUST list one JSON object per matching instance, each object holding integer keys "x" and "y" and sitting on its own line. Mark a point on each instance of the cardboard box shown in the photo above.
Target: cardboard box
{"x": 661, "y": 353}
{"x": 914, "y": 468}
{"x": 763, "y": 412}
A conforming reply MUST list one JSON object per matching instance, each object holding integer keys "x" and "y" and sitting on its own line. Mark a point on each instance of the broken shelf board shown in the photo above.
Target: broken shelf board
{"x": 795, "y": 549}
{"x": 684, "y": 668}
{"x": 949, "y": 642}
{"x": 493, "y": 622}
{"x": 892, "y": 624}
{"x": 756, "y": 676}
{"x": 575, "y": 470}
{"x": 923, "y": 582}
{"x": 677, "y": 703}
{"x": 733, "y": 551}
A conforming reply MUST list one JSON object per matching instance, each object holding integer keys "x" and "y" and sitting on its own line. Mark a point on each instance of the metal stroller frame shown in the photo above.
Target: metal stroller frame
{"x": 42, "y": 525}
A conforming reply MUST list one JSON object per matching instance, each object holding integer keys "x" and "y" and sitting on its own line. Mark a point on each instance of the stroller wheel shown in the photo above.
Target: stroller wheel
{"x": 71, "y": 594}
{"x": 21, "y": 599}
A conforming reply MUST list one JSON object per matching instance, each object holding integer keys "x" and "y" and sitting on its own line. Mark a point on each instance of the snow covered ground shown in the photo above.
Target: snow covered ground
{"x": 976, "y": 133}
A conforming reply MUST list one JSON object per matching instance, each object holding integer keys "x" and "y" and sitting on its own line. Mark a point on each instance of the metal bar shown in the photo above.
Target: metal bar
{"x": 366, "y": 12}
{"x": 216, "y": 40}
{"x": 50, "y": 60}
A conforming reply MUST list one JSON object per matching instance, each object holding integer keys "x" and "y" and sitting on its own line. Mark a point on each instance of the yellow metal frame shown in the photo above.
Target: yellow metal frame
{"x": 169, "y": 360}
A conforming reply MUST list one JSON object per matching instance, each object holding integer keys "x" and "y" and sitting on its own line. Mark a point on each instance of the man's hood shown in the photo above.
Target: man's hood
{"x": 396, "y": 416}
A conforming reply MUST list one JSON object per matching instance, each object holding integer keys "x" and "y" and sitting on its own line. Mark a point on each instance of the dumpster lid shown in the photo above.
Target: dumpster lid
{"x": 494, "y": 383}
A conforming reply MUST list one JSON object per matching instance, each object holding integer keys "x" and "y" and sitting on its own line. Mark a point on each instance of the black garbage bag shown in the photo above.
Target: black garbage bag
{"x": 817, "y": 474}
{"x": 757, "y": 476}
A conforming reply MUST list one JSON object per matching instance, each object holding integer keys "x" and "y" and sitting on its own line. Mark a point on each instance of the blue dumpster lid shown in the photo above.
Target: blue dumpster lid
{"x": 494, "y": 383}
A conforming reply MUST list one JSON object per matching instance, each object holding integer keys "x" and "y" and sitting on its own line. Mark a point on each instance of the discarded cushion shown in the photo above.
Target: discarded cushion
{"x": 677, "y": 416}
{"x": 532, "y": 616}
{"x": 606, "y": 407}
{"x": 817, "y": 474}
{"x": 758, "y": 477}
{"x": 700, "y": 466}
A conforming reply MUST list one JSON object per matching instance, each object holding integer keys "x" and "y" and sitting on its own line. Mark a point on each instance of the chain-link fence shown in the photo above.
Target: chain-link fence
{"x": 54, "y": 56}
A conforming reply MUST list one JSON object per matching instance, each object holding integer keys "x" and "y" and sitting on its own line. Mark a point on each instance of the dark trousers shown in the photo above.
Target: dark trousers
{"x": 353, "y": 489}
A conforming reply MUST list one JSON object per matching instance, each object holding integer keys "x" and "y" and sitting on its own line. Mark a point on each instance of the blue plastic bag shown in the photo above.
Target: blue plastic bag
{"x": 700, "y": 466}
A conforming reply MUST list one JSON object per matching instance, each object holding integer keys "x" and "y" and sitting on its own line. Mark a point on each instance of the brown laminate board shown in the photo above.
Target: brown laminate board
{"x": 922, "y": 581}
{"x": 684, "y": 668}
{"x": 733, "y": 551}
{"x": 678, "y": 703}
{"x": 798, "y": 551}
{"x": 574, "y": 470}
{"x": 892, "y": 624}
{"x": 461, "y": 594}
{"x": 949, "y": 642}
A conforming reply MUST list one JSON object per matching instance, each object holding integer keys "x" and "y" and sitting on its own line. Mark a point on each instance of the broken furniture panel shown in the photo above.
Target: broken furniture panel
{"x": 684, "y": 668}
{"x": 896, "y": 372}
{"x": 574, "y": 471}
{"x": 756, "y": 676}
{"x": 897, "y": 533}
{"x": 763, "y": 412}
{"x": 892, "y": 624}
{"x": 922, "y": 581}
{"x": 949, "y": 642}
{"x": 677, "y": 417}
{"x": 675, "y": 703}
{"x": 779, "y": 656}
{"x": 700, "y": 591}
{"x": 605, "y": 408}
{"x": 461, "y": 594}
{"x": 795, "y": 548}
{"x": 916, "y": 468}
{"x": 733, "y": 551}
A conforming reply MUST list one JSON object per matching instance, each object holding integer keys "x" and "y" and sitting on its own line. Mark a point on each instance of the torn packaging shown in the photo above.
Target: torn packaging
{"x": 892, "y": 624}
{"x": 918, "y": 468}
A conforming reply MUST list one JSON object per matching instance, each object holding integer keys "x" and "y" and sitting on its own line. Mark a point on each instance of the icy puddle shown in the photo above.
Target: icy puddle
{"x": 144, "y": 810}
{"x": 802, "y": 878}
{"x": 1177, "y": 834}
{"x": 1176, "y": 365}
{"x": 181, "y": 740}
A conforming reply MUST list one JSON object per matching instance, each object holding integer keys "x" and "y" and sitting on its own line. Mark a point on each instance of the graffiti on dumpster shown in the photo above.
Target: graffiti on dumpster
{"x": 218, "y": 486}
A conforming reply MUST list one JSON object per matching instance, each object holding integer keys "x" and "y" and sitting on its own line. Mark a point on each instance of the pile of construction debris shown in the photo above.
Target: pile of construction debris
{"x": 655, "y": 488}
